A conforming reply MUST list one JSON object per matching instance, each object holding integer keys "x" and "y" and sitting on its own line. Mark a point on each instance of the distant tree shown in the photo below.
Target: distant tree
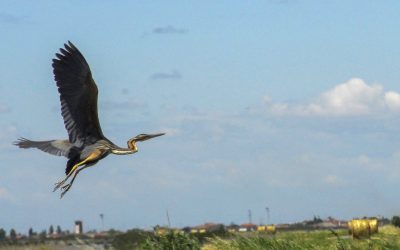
{"x": 13, "y": 235}
{"x": 51, "y": 230}
{"x": 42, "y": 235}
{"x": 384, "y": 221}
{"x": 112, "y": 232}
{"x": 93, "y": 231}
{"x": 2, "y": 234}
{"x": 317, "y": 220}
{"x": 58, "y": 230}
{"x": 30, "y": 232}
{"x": 396, "y": 221}
{"x": 233, "y": 224}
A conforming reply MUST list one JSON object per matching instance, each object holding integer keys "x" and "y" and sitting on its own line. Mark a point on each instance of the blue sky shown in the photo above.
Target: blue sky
{"x": 288, "y": 104}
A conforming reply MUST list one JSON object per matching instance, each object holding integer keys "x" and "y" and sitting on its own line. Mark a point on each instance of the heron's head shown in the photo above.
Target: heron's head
{"x": 141, "y": 137}
{"x": 145, "y": 137}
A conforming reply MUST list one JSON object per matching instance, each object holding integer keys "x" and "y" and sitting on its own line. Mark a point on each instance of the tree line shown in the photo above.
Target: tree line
{"x": 12, "y": 235}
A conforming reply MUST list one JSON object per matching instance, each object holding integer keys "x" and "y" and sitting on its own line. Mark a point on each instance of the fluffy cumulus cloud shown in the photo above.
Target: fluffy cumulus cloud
{"x": 354, "y": 97}
{"x": 392, "y": 100}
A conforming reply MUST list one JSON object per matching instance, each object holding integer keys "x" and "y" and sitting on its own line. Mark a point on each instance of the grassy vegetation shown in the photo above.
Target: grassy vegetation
{"x": 388, "y": 238}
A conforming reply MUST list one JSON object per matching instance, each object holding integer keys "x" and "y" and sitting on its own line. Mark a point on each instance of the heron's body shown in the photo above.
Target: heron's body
{"x": 86, "y": 144}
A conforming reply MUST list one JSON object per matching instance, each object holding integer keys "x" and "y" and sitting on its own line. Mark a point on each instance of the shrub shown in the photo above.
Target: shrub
{"x": 396, "y": 221}
{"x": 171, "y": 241}
{"x": 129, "y": 240}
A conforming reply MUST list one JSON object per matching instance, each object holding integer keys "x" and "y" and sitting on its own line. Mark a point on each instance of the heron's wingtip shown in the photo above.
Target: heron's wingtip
{"x": 19, "y": 141}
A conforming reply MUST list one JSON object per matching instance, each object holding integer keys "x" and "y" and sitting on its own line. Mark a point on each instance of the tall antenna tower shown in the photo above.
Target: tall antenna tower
{"x": 267, "y": 210}
{"x": 168, "y": 220}
{"x": 102, "y": 221}
{"x": 250, "y": 220}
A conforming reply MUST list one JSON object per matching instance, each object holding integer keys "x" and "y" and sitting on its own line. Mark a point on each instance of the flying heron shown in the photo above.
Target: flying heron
{"x": 86, "y": 144}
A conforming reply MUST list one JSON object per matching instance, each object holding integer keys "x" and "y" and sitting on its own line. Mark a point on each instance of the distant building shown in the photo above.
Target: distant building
{"x": 78, "y": 227}
{"x": 247, "y": 227}
{"x": 208, "y": 228}
{"x": 232, "y": 228}
{"x": 331, "y": 223}
{"x": 165, "y": 230}
{"x": 283, "y": 226}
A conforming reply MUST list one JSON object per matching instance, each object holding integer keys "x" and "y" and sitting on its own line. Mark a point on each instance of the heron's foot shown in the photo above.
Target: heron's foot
{"x": 57, "y": 185}
{"x": 65, "y": 189}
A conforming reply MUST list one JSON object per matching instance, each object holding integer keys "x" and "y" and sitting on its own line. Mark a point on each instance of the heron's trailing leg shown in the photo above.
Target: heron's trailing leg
{"x": 60, "y": 183}
{"x": 66, "y": 187}
{"x": 91, "y": 157}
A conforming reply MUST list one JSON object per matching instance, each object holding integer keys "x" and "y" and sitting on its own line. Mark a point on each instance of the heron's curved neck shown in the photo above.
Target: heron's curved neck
{"x": 132, "y": 148}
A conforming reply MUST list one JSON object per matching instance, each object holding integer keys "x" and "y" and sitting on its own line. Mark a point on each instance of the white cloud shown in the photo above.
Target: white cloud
{"x": 392, "y": 100}
{"x": 354, "y": 97}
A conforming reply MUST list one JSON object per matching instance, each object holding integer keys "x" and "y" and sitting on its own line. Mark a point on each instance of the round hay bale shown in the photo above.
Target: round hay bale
{"x": 360, "y": 229}
{"x": 270, "y": 229}
{"x": 373, "y": 225}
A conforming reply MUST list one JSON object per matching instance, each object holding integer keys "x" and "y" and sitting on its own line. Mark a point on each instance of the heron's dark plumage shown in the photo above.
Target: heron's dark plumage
{"x": 73, "y": 158}
{"x": 78, "y": 96}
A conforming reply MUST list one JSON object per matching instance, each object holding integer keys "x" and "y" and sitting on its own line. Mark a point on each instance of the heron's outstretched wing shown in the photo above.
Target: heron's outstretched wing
{"x": 78, "y": 96}
{"x": 54, "y": 147}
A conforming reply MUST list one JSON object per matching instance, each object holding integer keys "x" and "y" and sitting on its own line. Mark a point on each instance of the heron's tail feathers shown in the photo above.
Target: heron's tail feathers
{"x": 54, "y": 147}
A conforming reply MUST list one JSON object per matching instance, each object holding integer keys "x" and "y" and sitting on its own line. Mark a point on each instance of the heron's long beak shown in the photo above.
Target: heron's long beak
{"x": 155, "y": 135}
{"x": 145, "y": 137}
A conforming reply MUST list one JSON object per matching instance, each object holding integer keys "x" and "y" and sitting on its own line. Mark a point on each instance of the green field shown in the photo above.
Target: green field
{"x": 387, "y": 238}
